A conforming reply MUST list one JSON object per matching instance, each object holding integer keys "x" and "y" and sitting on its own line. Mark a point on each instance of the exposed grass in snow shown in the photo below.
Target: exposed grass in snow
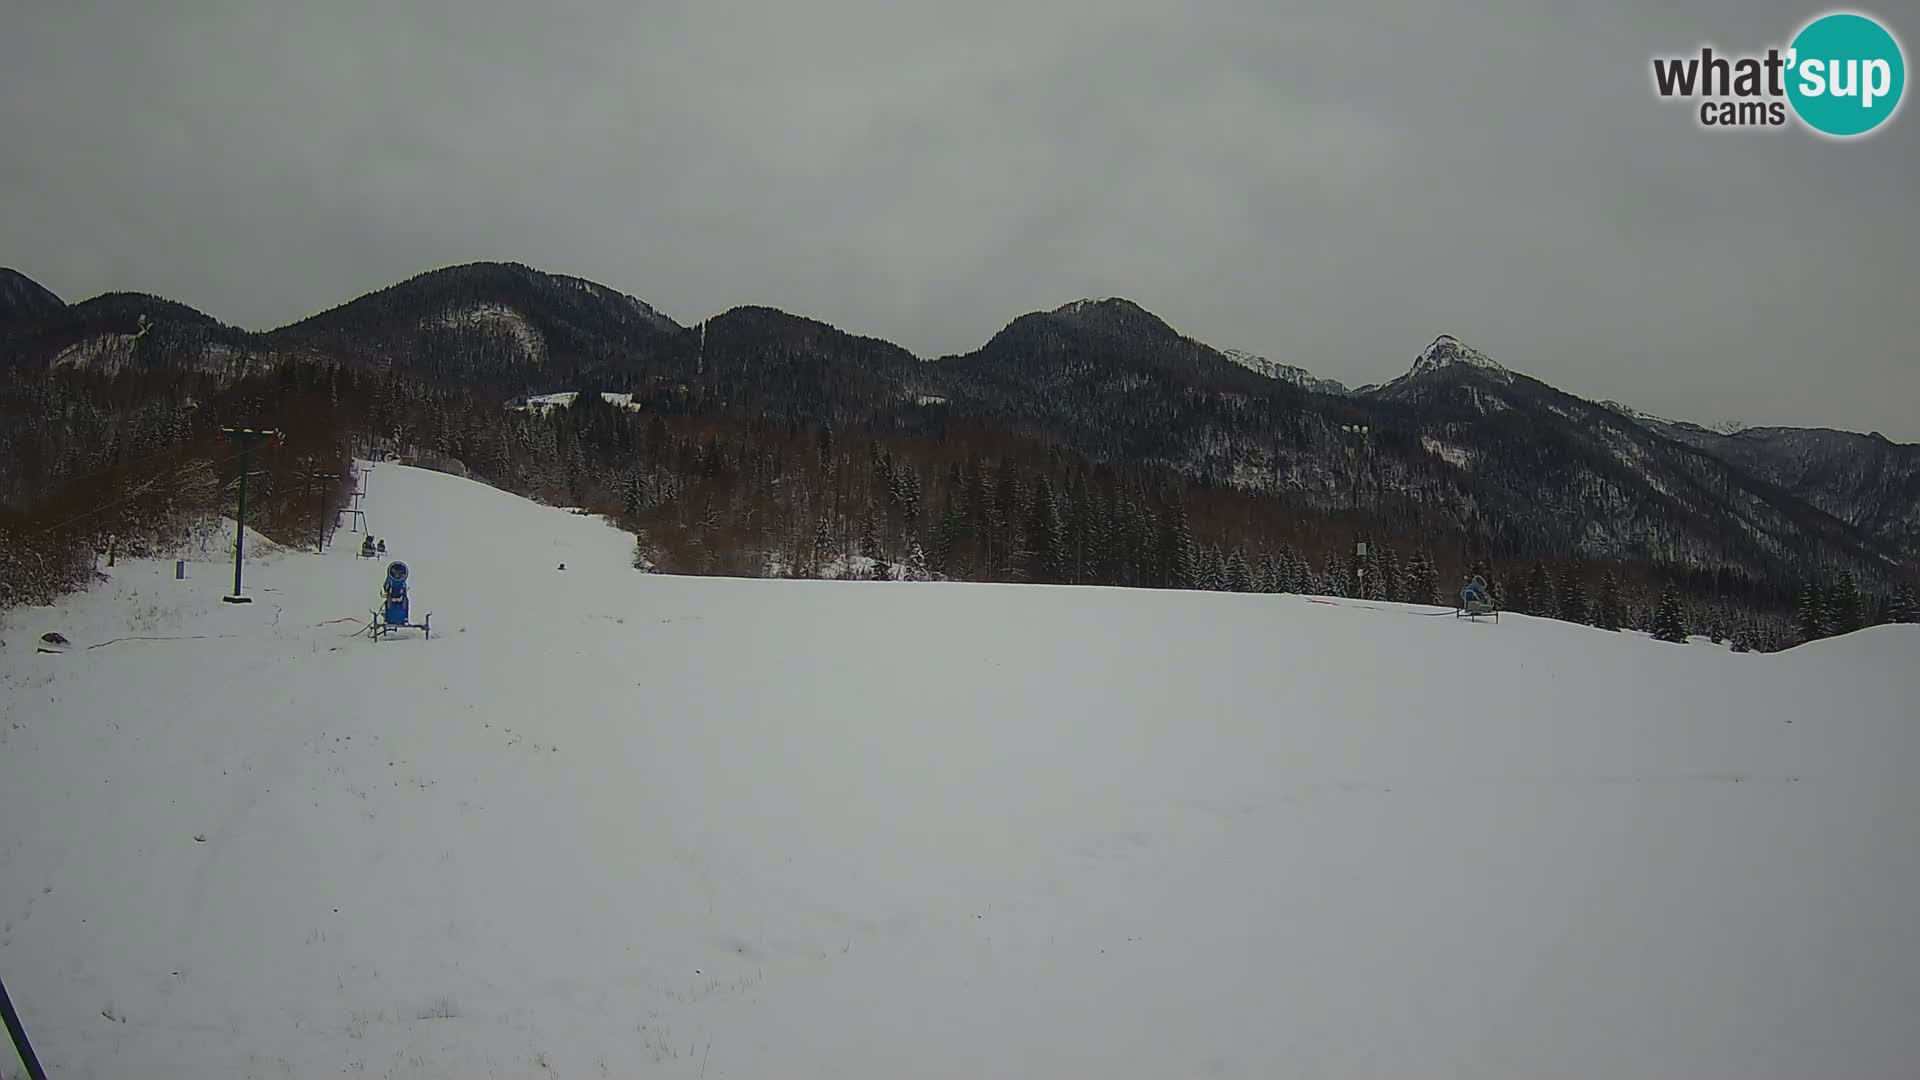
{"x": 613, "y": 823}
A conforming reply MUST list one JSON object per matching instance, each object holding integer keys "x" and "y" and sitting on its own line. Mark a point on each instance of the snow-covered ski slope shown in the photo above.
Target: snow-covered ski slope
{"x": 615, "y": 824}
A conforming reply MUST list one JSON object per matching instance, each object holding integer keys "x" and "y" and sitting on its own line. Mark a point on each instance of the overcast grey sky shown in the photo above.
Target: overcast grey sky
{"x": 1331, "y": 188}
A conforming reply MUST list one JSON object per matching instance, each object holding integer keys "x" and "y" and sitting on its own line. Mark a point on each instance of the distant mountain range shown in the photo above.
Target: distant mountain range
{"x": 1287, "y": 373}
{"x": 1459, "y": 441}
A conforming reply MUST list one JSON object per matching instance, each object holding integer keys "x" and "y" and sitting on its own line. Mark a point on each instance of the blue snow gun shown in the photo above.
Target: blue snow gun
{"x": 394, "y": 593}
{"x": 1476, "y": 599}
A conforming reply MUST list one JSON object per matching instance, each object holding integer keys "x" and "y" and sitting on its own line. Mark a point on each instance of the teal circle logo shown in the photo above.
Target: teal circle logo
{"x": 1845, "y": 74}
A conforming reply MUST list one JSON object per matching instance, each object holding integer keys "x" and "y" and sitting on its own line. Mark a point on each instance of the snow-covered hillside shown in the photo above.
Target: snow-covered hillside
{"x": 1286, "y": 373}
{"x": 615, "y": 824}
{"x": 545, "y": 403}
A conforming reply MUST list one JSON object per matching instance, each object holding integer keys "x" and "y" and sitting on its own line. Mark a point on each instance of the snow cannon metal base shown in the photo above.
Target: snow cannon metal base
{"x": 392, "y": 614}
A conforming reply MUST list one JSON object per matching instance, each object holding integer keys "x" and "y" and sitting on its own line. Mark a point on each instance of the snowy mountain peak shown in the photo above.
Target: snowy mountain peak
{"x": 1448, "y": 350}
{"x": 1117, "y": 316}
{"x": 1632, "y": 413}
{"x": 1286, "y": 373}
{"x": 1109, "y": 305}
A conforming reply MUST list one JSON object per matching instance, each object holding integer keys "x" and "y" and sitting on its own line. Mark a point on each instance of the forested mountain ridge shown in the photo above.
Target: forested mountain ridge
{"x": 1866, "y": 480}
{"x": 1098, "y": 401}
{"x": 1590, "y": 477}
{"x": 24, "y": 300}
{"x": 501, "y": 326}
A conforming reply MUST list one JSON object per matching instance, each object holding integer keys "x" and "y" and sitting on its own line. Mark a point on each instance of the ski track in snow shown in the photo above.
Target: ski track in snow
{"x": 608, "y": 823}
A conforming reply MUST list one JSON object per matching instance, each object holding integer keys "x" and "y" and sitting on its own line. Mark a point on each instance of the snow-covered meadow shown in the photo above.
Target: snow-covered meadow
{"x": 616, "y": 824}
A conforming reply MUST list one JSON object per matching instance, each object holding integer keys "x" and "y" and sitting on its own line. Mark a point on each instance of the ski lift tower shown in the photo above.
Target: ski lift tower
{"x": 357, "y": 517}
{"x": 1359, "y": 433}
{"x": 246, "y": 437}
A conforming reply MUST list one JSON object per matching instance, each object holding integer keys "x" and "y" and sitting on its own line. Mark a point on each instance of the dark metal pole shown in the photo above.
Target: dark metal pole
{"x": 247, "y": 437}
{"x": 321, "y": 480}
{"x": 19, "y": 1033}
{"x": 240, "y": 527}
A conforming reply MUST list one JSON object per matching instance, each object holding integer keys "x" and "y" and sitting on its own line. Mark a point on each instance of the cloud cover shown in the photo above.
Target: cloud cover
{"x": 1330, "y": 188}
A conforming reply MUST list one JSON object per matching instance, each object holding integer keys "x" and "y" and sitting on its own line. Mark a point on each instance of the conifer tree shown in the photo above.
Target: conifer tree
{"x": 1078, "y": 550}
{"x": 1421, "y": 584}
{"x": 1267, "y": 578}
{"x": 1383, "y": 576}
{"x": 1607, "y": 613}
{"x": 1339, "y": 578}
{"x": 1573, "y": 592}
{"x": 1537, "y": 597}
{"x": 630, "y": 497}
{"x": 1120, "y": 543}
{"x": 947, "y": 534}
{"x": 1844, "y": 614}
{"x": 1811, "y": 614}
{"x": 1175, "y": 556}
{"x": 1669, "y": 619}
{"x": 1905, "y": 606}
{"x": 1040, "y": 553}
{"x": 1294, "y": 571}
{"x": 822, "y": 543}
{"x": 1636, "y": 610}
{"x": 1003, "y": 516}
{"x": 1100, "y": 562}
{"x": 823, "y": 444}
{"x": 1239, "y": 575}
{"x": 1213, "y": 569}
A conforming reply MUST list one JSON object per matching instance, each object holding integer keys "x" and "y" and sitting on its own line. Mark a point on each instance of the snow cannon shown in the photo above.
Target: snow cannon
{"x": 1477, "y": 600}
{"x": 394, "y": 593}
{"x": 392, "y": 615}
